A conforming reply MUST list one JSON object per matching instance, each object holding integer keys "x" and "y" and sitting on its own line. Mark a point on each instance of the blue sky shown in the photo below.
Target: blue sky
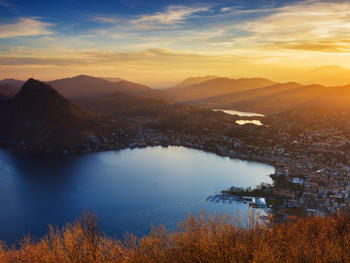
{"x": 170, "y": 39}
{"x": 72, "y": 17}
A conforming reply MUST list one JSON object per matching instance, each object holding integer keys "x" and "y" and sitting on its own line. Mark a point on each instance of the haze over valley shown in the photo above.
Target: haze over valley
{"x": 248, "y": 94}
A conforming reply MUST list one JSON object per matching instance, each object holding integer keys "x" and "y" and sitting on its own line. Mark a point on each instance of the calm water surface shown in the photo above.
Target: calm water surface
{"x": 128, "y": 189}
{"x": 243, "y": 122}
{"x": 240, "y": 113}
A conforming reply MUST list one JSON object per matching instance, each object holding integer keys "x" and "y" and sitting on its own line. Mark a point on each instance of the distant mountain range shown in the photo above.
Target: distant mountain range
{"x": 228, "y": 100}
{"x": 117, "y": 97}
{"x": 13, "y": 83}
{"x": 283, "y": 97}
{"x": 193, "y": 81}
{"x": 8, "y": 91}
{"x": 9, "y": 87}
{"x": 115, "y": 80}
{"x": 87, "y": 87}
{"x": 267, "y": 97}
{"x": 214, "y": 87}
{"x": 282, "y": 100}
{"x": 338, "y": 99}
{"x": 81, "y": 86}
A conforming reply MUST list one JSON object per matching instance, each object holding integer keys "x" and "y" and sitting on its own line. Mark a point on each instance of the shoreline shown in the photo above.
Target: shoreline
{"x": 282, "y": 160}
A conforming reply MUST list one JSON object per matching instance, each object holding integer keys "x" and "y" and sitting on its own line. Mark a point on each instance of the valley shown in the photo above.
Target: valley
{"x": 295, "y": 137}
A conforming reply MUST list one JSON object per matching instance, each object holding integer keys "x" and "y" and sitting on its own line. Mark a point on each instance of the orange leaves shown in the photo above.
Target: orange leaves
{"x": 198, "y": 239}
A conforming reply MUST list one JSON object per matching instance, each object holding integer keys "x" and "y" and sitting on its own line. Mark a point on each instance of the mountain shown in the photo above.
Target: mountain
{"x": 129, "y": 87}
{"x": 8, "y": 91}
{"x": 9, "y": 87}
{"x": 193, "y": 81}
{"x": 225, "y": 101}
{"x": 13, "y": 83}
{"x": 337, "y": 100}
{"x": 214, "y": 87}
{"x": 113, "y": 79}
{"x": 284, "y": 100}
{"x": 39, "y": 115}
{"x": 84, "y": 86}
{"x": 119, "y": 104}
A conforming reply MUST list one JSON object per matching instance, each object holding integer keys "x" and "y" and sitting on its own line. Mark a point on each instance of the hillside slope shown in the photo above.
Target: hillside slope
{"x": 193, "y": 81}
{"x": 284, "y": 100}
{"x": 214, "y": 87}
{"x": 13, "y": 83}
{"x": 225, "y": 101}
{"x": 119, "y": 104}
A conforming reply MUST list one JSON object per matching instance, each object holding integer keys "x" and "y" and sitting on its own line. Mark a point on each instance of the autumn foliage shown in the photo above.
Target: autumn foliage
{"x": 198, "y": 239}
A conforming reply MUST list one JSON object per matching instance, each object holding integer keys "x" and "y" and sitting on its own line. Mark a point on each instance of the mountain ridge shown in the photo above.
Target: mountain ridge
{"x": 224, "y": 101}
{"x": 192, "y": 81}
{"x": 88, "y": 86}
{"x": 214, "y": 87}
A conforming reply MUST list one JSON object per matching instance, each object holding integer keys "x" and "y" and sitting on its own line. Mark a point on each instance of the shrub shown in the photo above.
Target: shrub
{"x": 198, "y": 239}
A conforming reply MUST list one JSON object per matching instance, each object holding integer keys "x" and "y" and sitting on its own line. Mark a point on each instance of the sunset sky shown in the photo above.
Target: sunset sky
{"x": 161, "y": 42}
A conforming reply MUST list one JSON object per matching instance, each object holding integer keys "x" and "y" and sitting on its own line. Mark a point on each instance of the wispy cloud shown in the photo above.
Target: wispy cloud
{"x": 8, "y": 6}
{"x": 25, "y": 27}
{"x": 150, "y": 65}
{"x": 5, "y": 3}
{"x": 219, "y": 38}
{"x": 225, "y": 9}
{"x": 172, "y": 15}
{"x": 332, "y": 46}
{"x": 105, "y": 19}
{"x": 309, "y": 25}
{"x": 21, "y": 61}
{"x": 150, "y": 57}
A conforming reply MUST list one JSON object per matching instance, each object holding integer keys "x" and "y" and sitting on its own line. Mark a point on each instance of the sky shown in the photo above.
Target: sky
{"x": 161, "y": 42}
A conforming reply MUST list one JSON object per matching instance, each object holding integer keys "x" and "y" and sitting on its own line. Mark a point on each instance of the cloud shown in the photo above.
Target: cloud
{"x": 9, "y": 6}
{"x": 149, "y": 66}
{"x": 37, "y": 61}
{"x": 172, "y": 15}
{"x": 225, "y": 9}
{"x": 339, "y": 46}
{"x": 25, "y": 27}
{"x": 198, "y": 40}
{"x": 73, "y": 58}
{"x": 309, "y": 25}
{"x": 5, "y": 3}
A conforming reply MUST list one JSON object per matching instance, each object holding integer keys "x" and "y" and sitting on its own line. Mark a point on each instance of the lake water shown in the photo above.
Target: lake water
{"x": 240, "y": 113}
{"x": 128, "y": 189}
{"x": 243, "y": 122}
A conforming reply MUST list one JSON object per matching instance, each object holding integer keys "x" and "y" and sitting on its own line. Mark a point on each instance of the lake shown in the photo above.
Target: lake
{"x": 243, "y": 122}
{"x": 128, "y": 189}
{"x": 240, "y": 113}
